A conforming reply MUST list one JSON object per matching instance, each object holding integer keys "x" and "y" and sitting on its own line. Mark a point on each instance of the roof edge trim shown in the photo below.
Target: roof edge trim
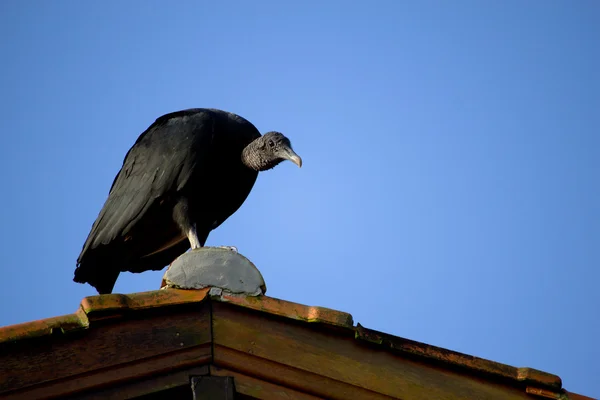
{"x": 460, "y": 360}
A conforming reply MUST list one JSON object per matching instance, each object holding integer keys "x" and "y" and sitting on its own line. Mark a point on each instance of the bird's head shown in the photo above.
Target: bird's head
{"x": 269, "y": 150}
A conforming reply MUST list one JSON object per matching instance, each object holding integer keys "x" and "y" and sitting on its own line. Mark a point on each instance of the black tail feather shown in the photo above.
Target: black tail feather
{"x": 103, "y": 279}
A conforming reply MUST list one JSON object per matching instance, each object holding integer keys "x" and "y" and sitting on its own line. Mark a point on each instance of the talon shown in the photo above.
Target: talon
{"x": 230, "y": 248}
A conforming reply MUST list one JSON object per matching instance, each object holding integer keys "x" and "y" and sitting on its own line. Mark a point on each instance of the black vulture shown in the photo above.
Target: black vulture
{"x": 183, "y": 177}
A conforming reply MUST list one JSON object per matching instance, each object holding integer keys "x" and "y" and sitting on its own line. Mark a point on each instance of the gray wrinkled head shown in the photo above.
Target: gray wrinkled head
{"x": 269, "y": 150}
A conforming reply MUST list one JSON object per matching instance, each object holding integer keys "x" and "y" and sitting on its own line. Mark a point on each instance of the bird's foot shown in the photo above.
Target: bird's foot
{"x": 230, "y": 248}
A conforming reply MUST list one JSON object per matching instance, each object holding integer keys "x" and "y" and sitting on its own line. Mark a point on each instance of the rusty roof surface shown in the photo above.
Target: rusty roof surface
{"x": 96, "y": 308}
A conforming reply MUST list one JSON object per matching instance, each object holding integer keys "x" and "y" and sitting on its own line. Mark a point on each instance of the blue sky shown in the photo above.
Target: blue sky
{"x": 450, "y": 188}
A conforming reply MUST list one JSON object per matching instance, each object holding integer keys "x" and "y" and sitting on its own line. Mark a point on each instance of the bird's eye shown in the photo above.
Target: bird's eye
{"x": 271, "y": 143}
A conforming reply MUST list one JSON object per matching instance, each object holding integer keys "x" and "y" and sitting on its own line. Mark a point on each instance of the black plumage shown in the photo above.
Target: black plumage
{"x": 183, "y": 177}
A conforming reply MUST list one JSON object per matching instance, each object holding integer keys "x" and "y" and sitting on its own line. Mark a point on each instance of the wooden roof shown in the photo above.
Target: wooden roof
{"x": 148, "y": 344}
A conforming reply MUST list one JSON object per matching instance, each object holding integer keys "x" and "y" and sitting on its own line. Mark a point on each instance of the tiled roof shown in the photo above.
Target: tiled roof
{"x": 268, "y": 345}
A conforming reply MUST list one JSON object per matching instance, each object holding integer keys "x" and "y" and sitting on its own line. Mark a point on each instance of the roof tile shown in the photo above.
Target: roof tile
{"x": 291, "y": 310}
{"x": 139, "y": 301}
{"x": 64, "y": 323}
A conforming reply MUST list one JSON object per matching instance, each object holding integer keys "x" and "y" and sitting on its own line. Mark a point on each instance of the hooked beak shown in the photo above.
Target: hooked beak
{"x": 289, "y": 154}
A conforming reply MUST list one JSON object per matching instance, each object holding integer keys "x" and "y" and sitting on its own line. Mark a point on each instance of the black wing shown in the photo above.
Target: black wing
{"x": 159, "y": 163}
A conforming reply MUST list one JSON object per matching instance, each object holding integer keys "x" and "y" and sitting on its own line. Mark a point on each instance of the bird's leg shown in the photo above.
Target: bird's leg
{"x": 193, "y": 237}
{"x": 187, "y": 225}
